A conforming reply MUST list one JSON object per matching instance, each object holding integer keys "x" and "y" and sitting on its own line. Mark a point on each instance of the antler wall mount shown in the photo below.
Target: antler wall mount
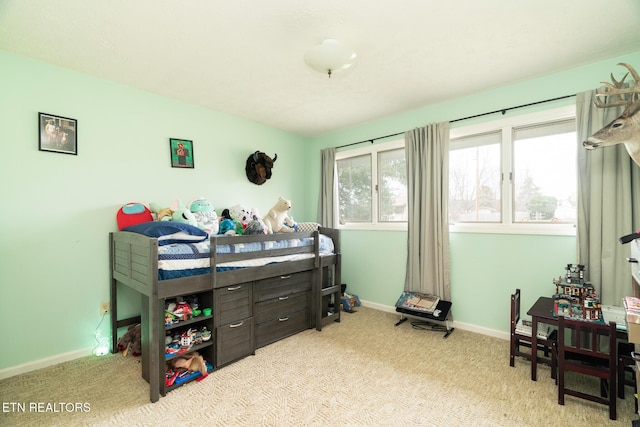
{"x": 259, "y": 166}
{"x": 626, "y": 128}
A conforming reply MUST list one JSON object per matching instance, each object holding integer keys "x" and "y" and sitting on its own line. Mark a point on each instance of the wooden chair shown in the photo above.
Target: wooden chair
{"x": 580, "y": 350}
{"x": 625, "y": 365}
{"x": 518, "y": 340}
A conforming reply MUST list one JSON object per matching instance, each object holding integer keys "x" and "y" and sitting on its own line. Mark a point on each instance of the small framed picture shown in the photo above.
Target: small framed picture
{"x": 181, "y": 153}
{"x": 58, "y": 134}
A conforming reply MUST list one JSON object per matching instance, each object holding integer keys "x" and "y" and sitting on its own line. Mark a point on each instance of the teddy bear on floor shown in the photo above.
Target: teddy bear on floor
{"x": 131, "y": 340}
{"x": 277, "y": 219}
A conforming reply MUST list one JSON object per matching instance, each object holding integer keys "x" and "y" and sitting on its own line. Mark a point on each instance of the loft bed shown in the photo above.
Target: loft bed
{"x": 146, "y": 265}
{"x": 135, "y": 260}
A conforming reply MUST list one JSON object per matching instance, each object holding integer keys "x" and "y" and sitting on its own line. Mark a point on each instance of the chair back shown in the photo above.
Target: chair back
{"x": 515, "y": 309}
{"x": 588, "y": 348}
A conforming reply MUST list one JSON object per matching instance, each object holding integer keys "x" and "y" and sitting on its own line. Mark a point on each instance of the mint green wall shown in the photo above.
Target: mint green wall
{"x": 54, "y": 257}
{"x": 485, "y": 268}
{"x": 54, "y": 268}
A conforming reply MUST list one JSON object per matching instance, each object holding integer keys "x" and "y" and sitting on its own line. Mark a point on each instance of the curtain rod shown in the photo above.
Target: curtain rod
{"x": 503, "y": 111}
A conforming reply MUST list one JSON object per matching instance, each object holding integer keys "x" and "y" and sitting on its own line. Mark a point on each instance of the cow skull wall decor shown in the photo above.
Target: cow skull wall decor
{"x": 626, "y": 128}
{"x": 259, "y": 167}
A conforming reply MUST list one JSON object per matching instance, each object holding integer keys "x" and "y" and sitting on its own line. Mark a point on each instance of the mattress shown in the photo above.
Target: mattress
{"x": 179, "y": 260}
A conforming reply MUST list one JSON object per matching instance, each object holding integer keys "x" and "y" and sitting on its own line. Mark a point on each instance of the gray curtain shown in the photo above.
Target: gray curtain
{"x": 608, "y": 204}
{"x": 428, "y": 264}
{"x": 327, "y": 199}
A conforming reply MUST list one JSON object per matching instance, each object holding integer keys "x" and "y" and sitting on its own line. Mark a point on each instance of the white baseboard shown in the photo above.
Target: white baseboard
{"x": 460, "y": 325}
{"x": 44, "y": 363}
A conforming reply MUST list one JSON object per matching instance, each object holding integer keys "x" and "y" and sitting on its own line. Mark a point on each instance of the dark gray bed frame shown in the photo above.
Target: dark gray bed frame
{"x": 134, "y": 263}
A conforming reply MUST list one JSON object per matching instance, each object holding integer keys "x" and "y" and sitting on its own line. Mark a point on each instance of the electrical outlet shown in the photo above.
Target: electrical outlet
{"x": 104, "y": 308}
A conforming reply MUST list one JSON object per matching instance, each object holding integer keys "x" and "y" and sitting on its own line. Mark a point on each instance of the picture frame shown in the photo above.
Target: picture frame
{"x": 181, "y": 151}
{"x": 57, "y": 134}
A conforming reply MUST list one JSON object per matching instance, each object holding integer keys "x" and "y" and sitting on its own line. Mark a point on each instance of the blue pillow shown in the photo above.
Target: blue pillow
{"x": 168, "y": 232}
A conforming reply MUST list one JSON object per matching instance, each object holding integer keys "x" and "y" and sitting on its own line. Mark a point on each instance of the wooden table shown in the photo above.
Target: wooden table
{"x": 542, "y": 312}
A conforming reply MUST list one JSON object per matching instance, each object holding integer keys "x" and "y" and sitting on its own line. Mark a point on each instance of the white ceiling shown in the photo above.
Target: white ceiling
{"x": 245, "y": 58}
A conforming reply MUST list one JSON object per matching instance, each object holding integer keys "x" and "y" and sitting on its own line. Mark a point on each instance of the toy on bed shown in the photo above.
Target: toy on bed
{"x": 249, "y": 219}
{"x": 228, "y": 225}
{"x": 277, "y": 219}
{"x": 256, "y": 225}
{"x": 131, "y": 214}
{"x": 175, "y": 212}
{"x": 241, "y": 214}
{"x": 131, "y": 340}
{"x": 206, "y": 217}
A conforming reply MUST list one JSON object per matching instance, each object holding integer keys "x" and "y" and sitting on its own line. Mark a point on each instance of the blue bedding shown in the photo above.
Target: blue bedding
{"x": 179, "y": 260}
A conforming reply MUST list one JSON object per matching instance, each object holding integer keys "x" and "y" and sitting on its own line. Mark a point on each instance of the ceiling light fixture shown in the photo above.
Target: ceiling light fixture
{"x": 330, "y": 57}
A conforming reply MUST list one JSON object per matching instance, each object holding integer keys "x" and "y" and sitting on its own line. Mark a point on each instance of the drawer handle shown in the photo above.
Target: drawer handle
{"x": 283, "y": 298}
{"x": 235, "y": 288}
{"x": 632, "y": 260}
{"x": 283, "y": 319}
{"x": 236, "y": 325}
{"x": 285, "y": 277}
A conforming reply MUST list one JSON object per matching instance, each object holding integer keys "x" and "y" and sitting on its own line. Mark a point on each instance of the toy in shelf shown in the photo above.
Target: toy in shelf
{"x": 181, "y": 341}
{"x": 181, "y": 309}
{"x": 575, "y": 297}
{"x": 185, "y": 367}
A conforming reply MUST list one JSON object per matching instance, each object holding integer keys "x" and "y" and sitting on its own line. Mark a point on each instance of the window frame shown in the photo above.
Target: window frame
{"x": 506, "y": 126}
{"x": 373, "y": 150}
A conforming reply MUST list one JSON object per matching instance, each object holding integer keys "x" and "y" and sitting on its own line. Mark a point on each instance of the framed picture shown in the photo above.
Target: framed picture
{"x": 181, "y": 153}
{"x": 58, "y": 134}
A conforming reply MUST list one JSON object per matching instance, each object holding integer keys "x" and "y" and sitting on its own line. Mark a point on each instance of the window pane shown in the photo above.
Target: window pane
{"x": 354, "y": 189}
{"x": 474, "y": 179}
{"x": 392, "y": 197}
{"x": 545, "y": 175}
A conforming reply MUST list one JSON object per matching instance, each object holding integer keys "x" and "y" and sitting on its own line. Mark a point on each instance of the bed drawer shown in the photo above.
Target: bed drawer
{"x": 281, "y": 327}
{"x": 234, "y": 341}
{"x": 279, "y": 286}
{"x": 280, "y": 307}
{"x": 232, "y": 303}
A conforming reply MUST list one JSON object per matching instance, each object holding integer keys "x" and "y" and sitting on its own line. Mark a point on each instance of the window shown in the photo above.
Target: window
{"x": 516, "y": 175}
{"x": 372, "y": 186}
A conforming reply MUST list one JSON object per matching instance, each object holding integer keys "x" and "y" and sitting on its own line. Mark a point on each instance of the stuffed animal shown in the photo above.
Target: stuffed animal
{"x": 205, "y": 215}
{"x": 132, "y": 214}
{"x": 256, "y": 225}
{"x": 161, "y": 214}
{"x": 241, "y": 214}
{"x": 188, "y": 362}
{"x": 277, "y": 218}
{"x": 132, "y": 339}
{"x": 175, "y": 212}
{"x": 228, "y": 225}
{"x": 182, "y": 214}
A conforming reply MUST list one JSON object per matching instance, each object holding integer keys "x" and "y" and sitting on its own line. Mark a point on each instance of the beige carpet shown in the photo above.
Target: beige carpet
{"x": 363, "y": 371}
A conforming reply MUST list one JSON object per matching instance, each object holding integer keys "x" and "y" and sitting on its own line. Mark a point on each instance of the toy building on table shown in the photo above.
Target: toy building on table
{"x": 575, "y": 297}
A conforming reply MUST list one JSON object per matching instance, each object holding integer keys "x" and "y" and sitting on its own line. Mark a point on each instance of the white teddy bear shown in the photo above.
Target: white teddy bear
{"x": 277, "y": 218}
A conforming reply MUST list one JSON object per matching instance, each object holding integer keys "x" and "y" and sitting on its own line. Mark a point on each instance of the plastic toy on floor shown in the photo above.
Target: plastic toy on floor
{"x": 348, "y": 302}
